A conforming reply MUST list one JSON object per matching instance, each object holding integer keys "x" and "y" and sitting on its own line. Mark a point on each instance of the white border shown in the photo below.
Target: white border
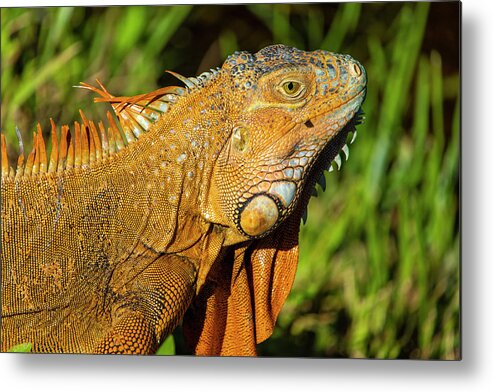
{"x": 473, "y": 373}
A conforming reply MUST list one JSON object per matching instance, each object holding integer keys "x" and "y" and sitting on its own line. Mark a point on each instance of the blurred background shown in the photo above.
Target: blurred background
{"x": 379, "y": 269}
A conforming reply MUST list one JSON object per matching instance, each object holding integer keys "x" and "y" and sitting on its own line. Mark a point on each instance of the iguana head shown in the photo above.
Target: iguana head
{"x": 289, "y": 114}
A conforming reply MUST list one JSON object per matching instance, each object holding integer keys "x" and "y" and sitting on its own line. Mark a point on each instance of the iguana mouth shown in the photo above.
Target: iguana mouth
{"x": 328, "y": 159}
{"x": 304, "y": 166}
{"x": 261, "y": 213}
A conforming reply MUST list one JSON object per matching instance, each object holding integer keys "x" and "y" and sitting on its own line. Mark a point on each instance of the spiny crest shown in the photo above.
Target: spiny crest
{"x": 84, "y": 143}
{"x": 336, "y": 162}
{"x": 76, "y": 148}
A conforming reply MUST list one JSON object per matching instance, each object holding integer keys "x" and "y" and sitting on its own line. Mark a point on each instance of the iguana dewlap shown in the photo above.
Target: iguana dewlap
{"x": 185, "y": 209}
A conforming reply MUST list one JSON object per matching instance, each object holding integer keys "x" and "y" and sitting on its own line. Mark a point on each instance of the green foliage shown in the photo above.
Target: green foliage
{"x": 21, "y": 348}
{"x": 378, "y": 275}
{"x": 167, "y": 347}
{"x": 57, "y": 48}
{"x": 379, "y": 268}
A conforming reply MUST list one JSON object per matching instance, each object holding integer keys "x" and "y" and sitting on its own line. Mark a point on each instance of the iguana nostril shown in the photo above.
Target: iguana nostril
{"x": 355, "y": 69}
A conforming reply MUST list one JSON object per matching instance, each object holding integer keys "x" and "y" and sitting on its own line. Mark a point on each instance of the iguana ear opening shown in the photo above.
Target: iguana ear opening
{"x": 241, "y": 300}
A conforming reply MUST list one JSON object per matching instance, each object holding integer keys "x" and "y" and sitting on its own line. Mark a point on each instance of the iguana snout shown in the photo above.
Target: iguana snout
{"x": 291, "y": 111}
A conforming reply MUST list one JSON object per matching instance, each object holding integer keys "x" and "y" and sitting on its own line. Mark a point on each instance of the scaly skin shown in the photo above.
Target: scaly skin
{"x": 105, "y": 246}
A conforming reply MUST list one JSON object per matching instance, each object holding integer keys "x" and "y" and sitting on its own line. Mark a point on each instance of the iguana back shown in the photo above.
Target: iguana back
{"x": 192, "y": 195}
{"x": 74, "y": 241}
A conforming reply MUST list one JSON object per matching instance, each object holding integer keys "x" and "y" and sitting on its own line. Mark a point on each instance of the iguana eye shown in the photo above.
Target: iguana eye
{"x": 292, "y": 88}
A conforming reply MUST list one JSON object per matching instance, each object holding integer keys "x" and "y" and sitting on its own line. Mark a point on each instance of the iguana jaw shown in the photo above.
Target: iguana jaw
{"x": 329, "y": 159}
{"x": 300, "y": 170}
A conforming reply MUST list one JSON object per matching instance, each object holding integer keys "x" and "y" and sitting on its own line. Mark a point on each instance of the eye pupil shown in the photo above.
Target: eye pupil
{"x": 292, "y": 88}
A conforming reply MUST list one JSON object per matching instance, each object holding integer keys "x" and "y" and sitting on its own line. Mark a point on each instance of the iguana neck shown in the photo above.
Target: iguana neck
{"x": 174, "y": 161}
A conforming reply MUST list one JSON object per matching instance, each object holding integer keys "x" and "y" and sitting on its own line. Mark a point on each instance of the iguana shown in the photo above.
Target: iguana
{"x": 185, "y": 209}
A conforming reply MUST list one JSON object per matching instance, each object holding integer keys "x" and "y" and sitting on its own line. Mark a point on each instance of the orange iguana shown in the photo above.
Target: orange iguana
{"x": 186, "y": 209}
